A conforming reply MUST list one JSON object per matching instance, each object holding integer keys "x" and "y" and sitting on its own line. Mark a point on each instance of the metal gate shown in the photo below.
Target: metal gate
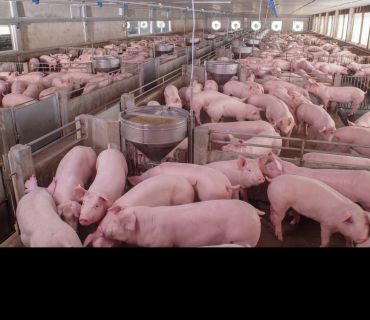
{"x": 360, "y": 82}
{"x": 6, "y": 215}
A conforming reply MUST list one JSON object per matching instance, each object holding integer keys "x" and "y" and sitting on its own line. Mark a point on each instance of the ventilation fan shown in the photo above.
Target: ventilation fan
{"x": 144, "y": 24}
{"x": 256, "y": 25}
{"x": 160, "y": 24}
{"x": 235, "y": 25}
{"x": 216, "y": 25}
{"x": 297, "y": 26}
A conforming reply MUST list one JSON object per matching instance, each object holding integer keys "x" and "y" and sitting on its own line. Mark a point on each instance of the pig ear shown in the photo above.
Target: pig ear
{"x": 115, "y": 209}
{"x": 104, "y": 200}
{"x": 240, "y": 162}
{"x": 79, "y": 192}
{"x": 347, "y": 217}
{"x": 322, "y": 129}
{"x": 277, "y": 162}
{"x": 129, "y": 221}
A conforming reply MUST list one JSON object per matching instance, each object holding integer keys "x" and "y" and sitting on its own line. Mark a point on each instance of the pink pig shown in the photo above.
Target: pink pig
{"x": 209, "y": 184}
{"x": 353, "y": 184}
{"x": 210, "y": 85}
{"x": 317, "y": 118}
{"x": 353, "y": 135}
{"x": 13, "y": 99}
{"x": 363, "y": 121}
{"x": 190, "y": 225}
{"x": 272, "y": 84}
{"x": 108, "y": 186}
{"x": 317, "y": 201}
{"x": 240, "y": 89}
{"x": 171, "y": 96}
{"x": 277, "y": 112}
{"x": 162, "y": 190}
{"x": 232, "y": 108}
{"x": 74, "y": 169}
{"x": 352, "y": 95}
{"x": 39, "y": 222}
{"x": 337, "y": 159}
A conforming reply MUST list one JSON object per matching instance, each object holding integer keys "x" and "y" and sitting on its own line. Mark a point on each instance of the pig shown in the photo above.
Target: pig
{"x": 182, "y": 95}
{"x": 75, "y": 169}
{"x": 31, "y": 77}
{"x": 210, "y": 85}
{"x": 363, "y": 72}
{"x": 337, "y": 159}
{"x": 317, "y": 118}
{"x": 352, "y": 135}
{"x": 78, "y": 76}
{"x": 90, "y": 87}
{"x": 240, "y": 146}
{"x": 277, "y": 112}
{"x": 331, "y": 69}
{"x": 121, "y": 76}
{"x": 4, "y": 88}
{"x": 232, "y": 108}
{"x": 363, "y": 121}
{"x": 171, "y": 96}
{"x": 352, "y": 95}
{"x": 153, "y": 103}
{"x": 33, "y": 90}
{"x": 272, "y": 84}
{"x": 44, "y": 94}
{"x": 108, "y": 186}
{"x": 353, "y": 184}
{"x": 33, "y": 64}
{"x": 240, "y": 89}
{"x": 51, "y": 62}
{"x": 203, "y": 99}
{"x": 14, "y": 99}
{"x": 190, "y": 225}
{"x": 18, "y": 87}
{"x": 317, "y": 201}
{"x": 244, "y": 127}
{"x": 38, "y": 221}
{"x": 241, "y": 171}
{"x": 174, "y": 190}
{"x": 48, "y": 79}
{"x": 208, "y": 183}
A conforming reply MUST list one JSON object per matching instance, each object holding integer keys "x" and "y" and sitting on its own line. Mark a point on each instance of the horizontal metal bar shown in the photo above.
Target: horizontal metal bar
{"x": 52, "y": 132}
{"x": 55, "y": 142}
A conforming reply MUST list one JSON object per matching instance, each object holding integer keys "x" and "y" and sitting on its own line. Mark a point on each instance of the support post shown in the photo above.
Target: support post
{"x": 201, "y": 142}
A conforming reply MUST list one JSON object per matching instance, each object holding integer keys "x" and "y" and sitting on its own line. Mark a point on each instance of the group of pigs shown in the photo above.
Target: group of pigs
{"x": 188, "y": 205}
{"x": 23, "y": 89}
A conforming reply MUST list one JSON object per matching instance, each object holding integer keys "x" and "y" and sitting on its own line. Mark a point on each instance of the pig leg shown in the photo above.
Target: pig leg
{"x": 325, "y": 236}
{"x": 244, "y": 194}
{"x": 306, "y": 129}
{"x": 286, "y": 142}
{"x": 349, "y": 243}
{"x": 276, "y": 218}
{"x": 354, "y": 108}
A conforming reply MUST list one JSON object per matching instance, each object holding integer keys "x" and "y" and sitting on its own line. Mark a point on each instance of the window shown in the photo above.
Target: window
{"x": 365, "y": 29}
{"x": 356, "y": 29}
{"x": 161, "y": 26}
{"x": 297, "y": 26}
{"x": 235, "y": 25}
{"x": 340, "y": 26}
{"x": 322, "y": 24}
{"x": 132, "y": 28}
{"x": 5, "y": 39}
{"x": 276, "y": 25}
{"x": 216, "y": 25}
{"x": 256, "y": 25}
{"x": 315, "y": 24}
{"x": 330, "y": 26}
{"x": 345, "y": 26}
{"x": 145, "y": 27}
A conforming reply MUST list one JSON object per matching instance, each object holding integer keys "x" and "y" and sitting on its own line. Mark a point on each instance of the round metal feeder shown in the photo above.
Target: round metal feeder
{"x": 105, "y": 64}
{"x": 190, "y": 41}
{"x": 164, "y": 48}
{"x": 242, "y": 52}
{"x": 154, "y": 130}
{"x": 222, "y": 71}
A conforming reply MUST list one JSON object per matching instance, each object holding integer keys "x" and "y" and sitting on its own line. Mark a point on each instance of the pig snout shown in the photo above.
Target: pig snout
{"x": 84, "y": 222}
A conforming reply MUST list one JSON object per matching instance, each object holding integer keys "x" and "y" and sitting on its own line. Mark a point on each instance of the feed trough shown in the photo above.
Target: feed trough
{"x": 163, "y": 48}
{"x": 209, "y": 36}
{"x": 221, "y": 71}
{"x": 154, "y": 130}
{"x": 241, "y": 52}
{"x": 105, "y": 64}
{"x": 190, "y": 41}
{"x": 252, "y": 42}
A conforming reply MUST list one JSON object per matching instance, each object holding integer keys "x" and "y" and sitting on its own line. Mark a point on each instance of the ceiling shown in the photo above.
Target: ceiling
{"x": 283, "y": 7}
